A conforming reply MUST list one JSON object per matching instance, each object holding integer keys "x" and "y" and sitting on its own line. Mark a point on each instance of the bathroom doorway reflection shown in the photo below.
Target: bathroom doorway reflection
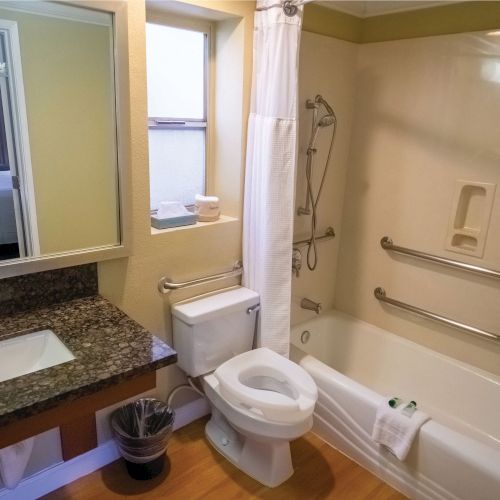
{"x": 18, "y": 232}
{"x": 11, "y": 245}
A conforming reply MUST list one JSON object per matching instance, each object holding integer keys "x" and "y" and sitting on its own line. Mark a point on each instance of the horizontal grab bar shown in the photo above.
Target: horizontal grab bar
{"x": 329, "y": 233}
{"x": 166, "y": 285}
{"x": 387, "y": 244}
{"x": 380, "y": 295}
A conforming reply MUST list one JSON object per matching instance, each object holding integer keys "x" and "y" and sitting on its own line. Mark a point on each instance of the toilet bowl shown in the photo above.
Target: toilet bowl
{"x": 260, "y": 400}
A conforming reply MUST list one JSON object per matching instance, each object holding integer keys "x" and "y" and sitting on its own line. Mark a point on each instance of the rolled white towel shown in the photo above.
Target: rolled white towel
{"x": 396, "y": 431}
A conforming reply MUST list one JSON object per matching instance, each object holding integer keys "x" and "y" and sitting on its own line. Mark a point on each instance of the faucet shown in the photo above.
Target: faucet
{"x": 296, "y": 261}
{"x": 311, "y": 305}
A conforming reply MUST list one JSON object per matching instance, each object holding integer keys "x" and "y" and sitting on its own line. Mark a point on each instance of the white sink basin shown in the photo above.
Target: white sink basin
{"x": 30, "y": 353}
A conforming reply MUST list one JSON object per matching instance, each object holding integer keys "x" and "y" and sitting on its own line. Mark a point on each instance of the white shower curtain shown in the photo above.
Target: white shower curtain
{"x": 270, "y": 171}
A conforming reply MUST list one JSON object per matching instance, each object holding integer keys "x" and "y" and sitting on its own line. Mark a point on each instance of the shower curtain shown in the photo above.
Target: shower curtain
{"x": 270, "y": 171}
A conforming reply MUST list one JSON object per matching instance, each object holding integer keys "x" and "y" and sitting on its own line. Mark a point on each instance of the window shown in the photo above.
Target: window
{"x": 177, "y": 111}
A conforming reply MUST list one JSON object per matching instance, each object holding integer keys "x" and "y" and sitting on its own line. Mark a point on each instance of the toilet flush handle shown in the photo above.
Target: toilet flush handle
{"x": 254, "y": 308}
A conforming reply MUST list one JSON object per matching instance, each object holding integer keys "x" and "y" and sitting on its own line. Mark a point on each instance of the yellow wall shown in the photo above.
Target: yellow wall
{"x": 325, "y": 21}
{"x": 184, "y": 253}
{"x": 439, "y": 20}
{"x": 67, "y": 73}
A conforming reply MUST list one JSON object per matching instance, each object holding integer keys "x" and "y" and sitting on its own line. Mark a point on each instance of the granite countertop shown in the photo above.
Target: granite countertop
{"x": 109, "y": 347}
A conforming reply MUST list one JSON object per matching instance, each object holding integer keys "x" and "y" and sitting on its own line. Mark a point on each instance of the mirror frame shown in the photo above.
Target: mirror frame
{"x": 17, "y": 267}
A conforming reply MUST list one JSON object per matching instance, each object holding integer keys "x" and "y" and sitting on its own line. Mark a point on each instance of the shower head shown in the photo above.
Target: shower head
{"x": 329, "y": 118}
{"x": 325, "y": 121}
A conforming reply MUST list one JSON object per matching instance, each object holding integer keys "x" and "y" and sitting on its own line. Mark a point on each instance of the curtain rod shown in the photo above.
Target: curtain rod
{"x": 290, "y": 7}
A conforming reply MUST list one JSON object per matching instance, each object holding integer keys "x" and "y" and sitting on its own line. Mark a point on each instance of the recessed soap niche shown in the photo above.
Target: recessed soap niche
{"x": 470, "y": 217}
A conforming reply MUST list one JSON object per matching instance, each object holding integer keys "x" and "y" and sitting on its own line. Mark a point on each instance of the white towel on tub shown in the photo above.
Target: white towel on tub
{"x": 396, "y": 431}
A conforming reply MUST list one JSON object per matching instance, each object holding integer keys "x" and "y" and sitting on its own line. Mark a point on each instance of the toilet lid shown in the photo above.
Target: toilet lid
{"x": 263, "y": 380}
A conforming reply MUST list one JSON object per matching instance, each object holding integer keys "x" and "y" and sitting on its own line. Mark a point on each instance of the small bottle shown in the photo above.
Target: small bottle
{"x": 409, "y": 409}
{"x": 394, "y": 402}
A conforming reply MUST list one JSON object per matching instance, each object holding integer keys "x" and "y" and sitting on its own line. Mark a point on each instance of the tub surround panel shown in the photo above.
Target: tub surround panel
{"x": 327, "y": 67}
{"x": 426, "y": 115}
{"x": 109, "y": 348}
{"x": 33, "y": 291}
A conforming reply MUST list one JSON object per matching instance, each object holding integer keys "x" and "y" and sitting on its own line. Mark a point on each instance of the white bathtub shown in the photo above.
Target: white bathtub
{"x": 356, "y": 365}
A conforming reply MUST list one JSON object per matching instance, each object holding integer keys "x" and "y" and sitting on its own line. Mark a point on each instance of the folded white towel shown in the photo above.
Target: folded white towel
{"x": 395, "y": 430}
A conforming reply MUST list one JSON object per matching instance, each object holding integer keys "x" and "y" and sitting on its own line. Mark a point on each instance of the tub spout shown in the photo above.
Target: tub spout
{"x": 310, "y": 305}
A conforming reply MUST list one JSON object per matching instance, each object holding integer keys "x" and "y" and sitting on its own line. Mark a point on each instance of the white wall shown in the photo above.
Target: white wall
{"x": 426, "y": 115}
{"x": 327, "y": 67}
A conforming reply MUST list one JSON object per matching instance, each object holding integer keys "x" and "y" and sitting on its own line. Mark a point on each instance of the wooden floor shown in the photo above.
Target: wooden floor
{"x": 197, "y": 471}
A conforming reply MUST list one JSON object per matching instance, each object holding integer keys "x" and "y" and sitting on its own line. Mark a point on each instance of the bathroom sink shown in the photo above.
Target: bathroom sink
{"x": 31, "y": 352}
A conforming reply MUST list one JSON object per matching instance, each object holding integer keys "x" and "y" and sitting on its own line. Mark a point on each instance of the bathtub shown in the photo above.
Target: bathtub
{"x": 357, "y": 365}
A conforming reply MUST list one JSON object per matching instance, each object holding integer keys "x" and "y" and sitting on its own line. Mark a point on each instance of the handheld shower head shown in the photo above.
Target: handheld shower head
{"x": 327, "y": 120}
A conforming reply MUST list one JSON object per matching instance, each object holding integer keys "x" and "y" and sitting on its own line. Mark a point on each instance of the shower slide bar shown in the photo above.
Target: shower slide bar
{"x": 382, "y": 297}
{"x": 166, "y": 285}
{"x": 329, "y": 233}
{"x": 387, "y": 244}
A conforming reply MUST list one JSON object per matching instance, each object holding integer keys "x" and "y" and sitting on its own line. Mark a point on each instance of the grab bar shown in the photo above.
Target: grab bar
{"x": 329, "y": 233}
{"x": 165, "y": 285}
{"x": 387, "y": 244}
{"x": 380, "y": 295}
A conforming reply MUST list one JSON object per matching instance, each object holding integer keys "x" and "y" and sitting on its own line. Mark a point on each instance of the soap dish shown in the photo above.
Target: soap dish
{"x": 181, "y": 220}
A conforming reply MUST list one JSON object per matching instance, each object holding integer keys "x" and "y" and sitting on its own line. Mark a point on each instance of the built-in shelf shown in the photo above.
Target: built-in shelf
{"x": 470, "y": 217}
{"x": 223, "y": 219}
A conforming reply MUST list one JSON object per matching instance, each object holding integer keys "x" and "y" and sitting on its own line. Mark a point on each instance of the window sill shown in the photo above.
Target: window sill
{"x": 223, "y": 219}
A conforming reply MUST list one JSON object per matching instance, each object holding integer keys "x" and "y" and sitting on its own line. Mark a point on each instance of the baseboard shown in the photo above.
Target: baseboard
{"x": 64, "y": 473}
{"x": 190, "y": 412}
{"x": 61, "y": 474}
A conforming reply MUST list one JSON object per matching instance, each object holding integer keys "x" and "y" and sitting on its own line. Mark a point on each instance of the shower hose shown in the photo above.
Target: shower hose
{"x": 312, "y": 251}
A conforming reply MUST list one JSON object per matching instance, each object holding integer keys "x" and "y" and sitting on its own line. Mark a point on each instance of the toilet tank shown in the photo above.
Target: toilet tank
{"x": 213, "y": 329}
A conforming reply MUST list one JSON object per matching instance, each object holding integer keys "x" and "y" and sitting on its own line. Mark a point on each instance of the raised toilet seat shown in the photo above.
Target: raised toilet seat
{"x": 259, "y": 400}
{"x": 263, "y": 380}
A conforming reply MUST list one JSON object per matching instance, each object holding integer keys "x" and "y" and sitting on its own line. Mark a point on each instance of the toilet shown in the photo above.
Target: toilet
{"x": 260, "y": 400}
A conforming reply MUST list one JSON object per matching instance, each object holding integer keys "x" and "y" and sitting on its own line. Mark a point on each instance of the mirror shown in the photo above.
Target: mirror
{"x": 59, "y": 185}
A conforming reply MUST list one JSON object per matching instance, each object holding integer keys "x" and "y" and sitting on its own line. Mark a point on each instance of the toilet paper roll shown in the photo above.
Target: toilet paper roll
{"x": 202, "y": 200}
{"x": 207, "y": 208}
